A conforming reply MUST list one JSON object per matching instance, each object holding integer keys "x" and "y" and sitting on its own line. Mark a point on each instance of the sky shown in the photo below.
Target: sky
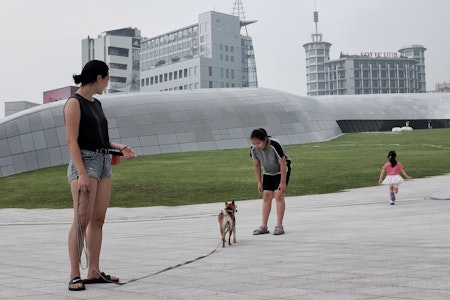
{"x": 41, "y": 40}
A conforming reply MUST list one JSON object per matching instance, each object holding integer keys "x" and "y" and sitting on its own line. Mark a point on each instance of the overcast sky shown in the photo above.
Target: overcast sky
{"x": 41, "y": 40}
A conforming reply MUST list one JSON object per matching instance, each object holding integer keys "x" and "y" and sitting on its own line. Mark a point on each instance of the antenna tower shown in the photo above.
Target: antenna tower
{"x": 316, "y": 37}
{"x": 238, "y": 10}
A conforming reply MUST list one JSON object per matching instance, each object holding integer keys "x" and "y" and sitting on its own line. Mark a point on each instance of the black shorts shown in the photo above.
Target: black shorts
{"x": 271, "y": 182}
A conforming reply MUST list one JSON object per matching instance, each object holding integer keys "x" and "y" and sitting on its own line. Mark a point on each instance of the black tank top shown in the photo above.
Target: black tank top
{"x": 93, "y": 132}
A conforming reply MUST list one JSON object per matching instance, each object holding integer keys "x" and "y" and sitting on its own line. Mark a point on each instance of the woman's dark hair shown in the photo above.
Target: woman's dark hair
{"x": 392, "y": 155}
{"x": 90, "y": 72}
{"x": 260, "y": 134}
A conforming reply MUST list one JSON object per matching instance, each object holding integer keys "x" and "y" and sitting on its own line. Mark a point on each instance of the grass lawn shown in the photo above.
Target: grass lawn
{"x": 350, "y": 161}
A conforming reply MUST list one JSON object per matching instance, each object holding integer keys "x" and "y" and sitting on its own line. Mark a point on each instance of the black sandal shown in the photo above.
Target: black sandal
{"x": 102, "y": 279}
{"x": 77, "y": 280}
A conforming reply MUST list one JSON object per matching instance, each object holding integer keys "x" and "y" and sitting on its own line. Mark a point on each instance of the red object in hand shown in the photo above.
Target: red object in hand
{"x": 115, "y": 160}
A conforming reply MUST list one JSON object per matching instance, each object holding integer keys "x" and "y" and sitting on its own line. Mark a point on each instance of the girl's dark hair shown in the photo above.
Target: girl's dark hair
{"x": 90, "y": 72}
{"x": 260, "y": 134}
{"x": 392, "y": 155}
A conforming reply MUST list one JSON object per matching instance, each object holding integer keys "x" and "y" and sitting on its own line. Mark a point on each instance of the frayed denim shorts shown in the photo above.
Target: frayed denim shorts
{"x": 97, "y": 165}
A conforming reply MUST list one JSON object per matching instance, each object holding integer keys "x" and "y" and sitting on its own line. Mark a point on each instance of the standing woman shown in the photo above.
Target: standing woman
{"x": 89, "y": 171}
{"x": 269, "y": 153}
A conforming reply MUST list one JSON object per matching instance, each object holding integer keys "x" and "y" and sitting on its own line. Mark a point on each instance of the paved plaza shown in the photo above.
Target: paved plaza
{"x": 348, "y": 245}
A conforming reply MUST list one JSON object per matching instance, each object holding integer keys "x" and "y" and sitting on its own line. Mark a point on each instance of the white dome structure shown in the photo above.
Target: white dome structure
{"x": 207, "y": 119}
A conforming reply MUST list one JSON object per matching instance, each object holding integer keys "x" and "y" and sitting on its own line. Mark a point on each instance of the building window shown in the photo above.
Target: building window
{"x": 146, "y": 81}
{"x": 117, "y": 79}
{"x": 180, "y": 74}
{"x": 160, "y": 78}
{"x": 118, "y": 66}
{"x": 232, "y": 74}
{"x": 156, "y": 79}
{"x": 185, "y": 72}
{"x": 366, "y": 83}
{"x": 170, "y": 76}
{"x": 226, "y": 48}
{"x": 210, "y": 84}
{"x": 142, "y": 82}
{"x": 210, "y": 71}
{"x": 175, "y": 75}
{"x": 231, "y": 49}
{"x": 118, "y": 51}
{"x": 151, "y": 80}
{"x": 231, "y": 58}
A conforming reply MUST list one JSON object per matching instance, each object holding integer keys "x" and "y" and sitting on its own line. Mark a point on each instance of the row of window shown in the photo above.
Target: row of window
{"x": 374, "y": 74}
{"x": 383, "y": 91}
{"x": 192, "y": 71}
{"x": 226, "y": 48}
{"x": 169, "y": 50}
{"x": 382, "y": 65}
{"x": 116, "y": 51}
{"x": 186, "y": 33}
{"x": 222, "y": 72}
{"x": 182, "y": 87}
{"x": 384, "y": 83}
{"x": 117, "y": 66}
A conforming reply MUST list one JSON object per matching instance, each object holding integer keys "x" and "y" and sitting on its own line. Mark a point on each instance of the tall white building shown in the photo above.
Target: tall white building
{"x": 367, "y": 73}
{"x": 119, "y": 49}
{"x": 209, "y": 54}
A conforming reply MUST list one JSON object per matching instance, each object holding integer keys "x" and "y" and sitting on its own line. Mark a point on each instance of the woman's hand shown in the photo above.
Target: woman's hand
{"x": 128, "y": 153}
{"x": 83, "y": 183}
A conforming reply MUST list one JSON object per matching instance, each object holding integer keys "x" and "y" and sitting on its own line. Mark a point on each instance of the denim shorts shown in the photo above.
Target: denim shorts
{"x": 97, "y": 165}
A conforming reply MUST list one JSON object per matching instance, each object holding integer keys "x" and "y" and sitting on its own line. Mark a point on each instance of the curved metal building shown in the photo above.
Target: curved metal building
{"x": 205, "y": 119}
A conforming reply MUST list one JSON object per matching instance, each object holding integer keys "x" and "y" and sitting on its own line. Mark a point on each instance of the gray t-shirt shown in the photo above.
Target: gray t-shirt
{"x": 269, "y": 157}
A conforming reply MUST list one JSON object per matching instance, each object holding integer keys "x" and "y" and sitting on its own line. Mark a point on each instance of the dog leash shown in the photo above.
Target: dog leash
{"x": 169, "y": 268}
{"x": 81, "y": 234}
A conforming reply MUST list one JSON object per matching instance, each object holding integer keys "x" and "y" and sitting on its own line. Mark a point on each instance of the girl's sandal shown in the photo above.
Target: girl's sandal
{"x": 260, "y": 230}
{"x": 279, "y": 230}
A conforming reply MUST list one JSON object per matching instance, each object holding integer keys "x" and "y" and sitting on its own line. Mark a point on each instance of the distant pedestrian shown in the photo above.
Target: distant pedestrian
{"x": 272, "y": 183}
{"x": 393, "y": 169}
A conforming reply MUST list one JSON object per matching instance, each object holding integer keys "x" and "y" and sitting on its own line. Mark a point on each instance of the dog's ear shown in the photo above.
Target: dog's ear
{"x": 226, "y": 203}
{"x": 232, "y": 202}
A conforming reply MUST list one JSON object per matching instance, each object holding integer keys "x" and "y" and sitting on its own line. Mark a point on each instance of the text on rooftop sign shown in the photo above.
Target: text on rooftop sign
{"x": 380, "y": 54}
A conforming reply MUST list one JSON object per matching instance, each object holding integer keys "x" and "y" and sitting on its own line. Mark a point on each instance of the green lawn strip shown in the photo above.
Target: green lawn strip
{"x": 349, "y": 161}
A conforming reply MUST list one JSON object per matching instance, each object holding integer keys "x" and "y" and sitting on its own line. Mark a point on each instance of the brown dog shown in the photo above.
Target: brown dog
{"x": 227, "y": 222}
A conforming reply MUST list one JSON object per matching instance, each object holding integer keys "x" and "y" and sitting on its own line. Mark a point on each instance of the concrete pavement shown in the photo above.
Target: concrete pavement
{"x": 348, "y": 245}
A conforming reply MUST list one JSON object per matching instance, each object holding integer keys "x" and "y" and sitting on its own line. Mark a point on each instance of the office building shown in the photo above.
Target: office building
{"x": 209, "y": 54}
{"x": 17, "y": 106}
{"x": 119, "y": 49}
{"x": 59, "y": 94}
{"x": 367, "y": 73}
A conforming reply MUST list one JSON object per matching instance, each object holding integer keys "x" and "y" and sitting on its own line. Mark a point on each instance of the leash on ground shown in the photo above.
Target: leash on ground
{"x": 80, "y": 250}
